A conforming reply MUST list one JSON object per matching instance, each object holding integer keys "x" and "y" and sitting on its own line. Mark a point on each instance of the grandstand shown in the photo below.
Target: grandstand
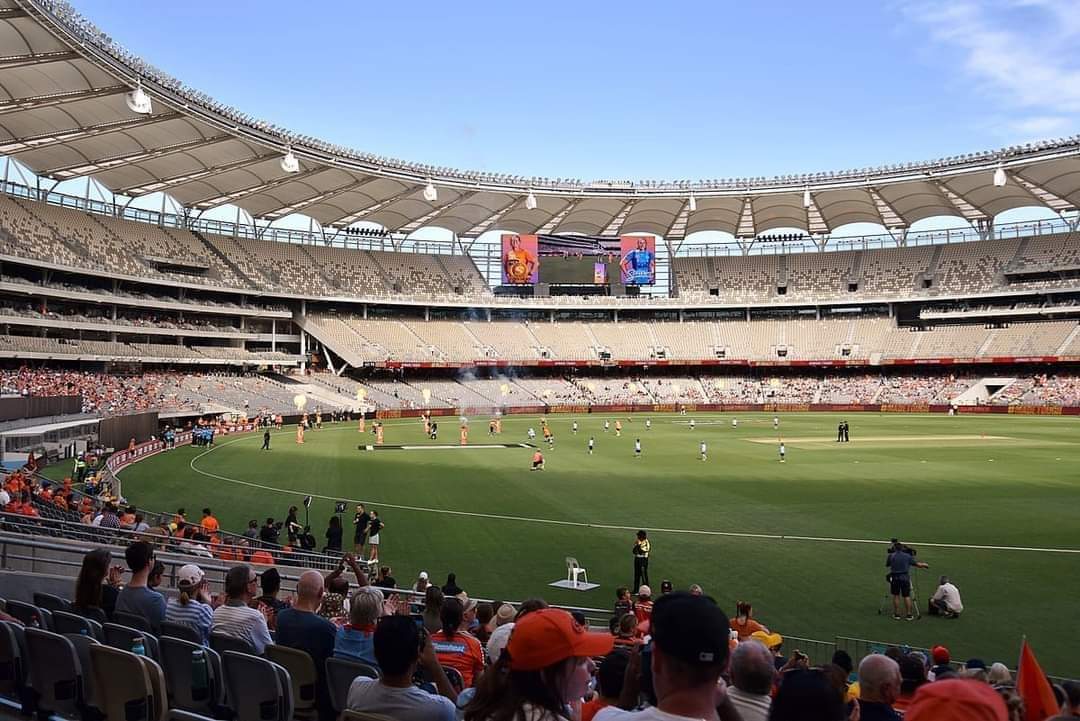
{"x": 133, "y": 310}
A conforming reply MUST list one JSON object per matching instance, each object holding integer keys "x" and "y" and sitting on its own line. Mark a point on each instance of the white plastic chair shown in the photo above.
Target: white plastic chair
{"x": 573, "y": 570}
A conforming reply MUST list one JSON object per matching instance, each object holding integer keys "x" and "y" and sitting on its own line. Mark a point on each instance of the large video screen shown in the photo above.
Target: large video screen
{"x": 578, "y": 260}
{"x": 637, "y": 264}
{"x": 520, "y": 260}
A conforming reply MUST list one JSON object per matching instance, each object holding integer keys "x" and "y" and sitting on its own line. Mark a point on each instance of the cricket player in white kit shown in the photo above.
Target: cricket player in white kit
{"x": 704, "y": 455}
{"x": 532, "y": 434}
{"x": 607, "y": 425}
{"x": 592, "y": 441}
{"x": 734, "y": 422}
{"x": 637, "y": 448}
{"x": 691, "y": 424}
{"x": 648, "y": 424}
{"x": 782, "y": 451}
{"x": 573, "y": 428}
{"x": 775, "y": 422}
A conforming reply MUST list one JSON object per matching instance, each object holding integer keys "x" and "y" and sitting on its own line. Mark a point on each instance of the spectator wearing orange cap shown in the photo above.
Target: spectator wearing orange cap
{"x": 957, "y": 700}
{"x": 547, "y": 664}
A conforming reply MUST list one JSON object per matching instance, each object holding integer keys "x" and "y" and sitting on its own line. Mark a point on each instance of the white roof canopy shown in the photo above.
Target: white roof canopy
{"x": 63, "y": 114}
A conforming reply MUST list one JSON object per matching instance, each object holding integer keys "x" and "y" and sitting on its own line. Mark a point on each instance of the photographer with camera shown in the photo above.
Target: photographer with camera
{"x": 899, "y": 561}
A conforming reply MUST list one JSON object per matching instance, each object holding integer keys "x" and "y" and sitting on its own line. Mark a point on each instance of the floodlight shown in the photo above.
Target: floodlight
{"x": 999, "y": 176}
{"x": 289, "y": 163}
{"x": 530, "y": 200}
{"x": 139, "y": 102}
{"x": 430, "y": 193}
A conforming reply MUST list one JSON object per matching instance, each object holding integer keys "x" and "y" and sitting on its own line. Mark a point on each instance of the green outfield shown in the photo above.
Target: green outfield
{"x": 993, "y": 501}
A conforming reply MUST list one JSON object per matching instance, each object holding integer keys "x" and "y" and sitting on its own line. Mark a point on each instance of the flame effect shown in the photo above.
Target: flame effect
{"x": 299, "y": 400}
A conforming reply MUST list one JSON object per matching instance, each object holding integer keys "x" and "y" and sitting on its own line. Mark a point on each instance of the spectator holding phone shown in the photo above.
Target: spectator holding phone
{"x": 400, "y": 647}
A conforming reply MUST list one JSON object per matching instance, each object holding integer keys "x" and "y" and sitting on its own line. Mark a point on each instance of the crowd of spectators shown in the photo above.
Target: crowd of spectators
{"x": 671, "y": 658}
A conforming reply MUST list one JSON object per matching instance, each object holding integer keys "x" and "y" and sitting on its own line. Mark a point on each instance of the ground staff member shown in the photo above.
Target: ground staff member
{"x": 641, "y": 551}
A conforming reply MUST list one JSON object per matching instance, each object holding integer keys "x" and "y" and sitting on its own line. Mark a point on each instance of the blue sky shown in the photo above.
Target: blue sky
{"x": 630, "y": 90}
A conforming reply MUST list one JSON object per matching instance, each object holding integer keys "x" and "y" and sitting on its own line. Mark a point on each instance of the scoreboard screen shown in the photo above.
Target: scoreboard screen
{"x": 578, "y": 260}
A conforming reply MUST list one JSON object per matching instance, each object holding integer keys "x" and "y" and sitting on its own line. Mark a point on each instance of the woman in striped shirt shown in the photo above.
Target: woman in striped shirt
{"x": 192, "y": 608}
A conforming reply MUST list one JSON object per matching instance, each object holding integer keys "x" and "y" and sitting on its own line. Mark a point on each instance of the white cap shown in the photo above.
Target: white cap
{"x": 423, "y": 575}
{"x": 190, "y": 575}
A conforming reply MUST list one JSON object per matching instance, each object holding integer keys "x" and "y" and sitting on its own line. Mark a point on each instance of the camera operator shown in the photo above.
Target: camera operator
{"x": 900, "y": 560}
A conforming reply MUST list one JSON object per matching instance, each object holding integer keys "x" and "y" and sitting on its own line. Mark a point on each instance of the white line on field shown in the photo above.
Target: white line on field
{"x": 606, "y": 526}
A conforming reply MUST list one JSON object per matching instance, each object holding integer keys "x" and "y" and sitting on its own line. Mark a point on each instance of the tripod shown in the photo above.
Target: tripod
{"x": 886, "y": 600}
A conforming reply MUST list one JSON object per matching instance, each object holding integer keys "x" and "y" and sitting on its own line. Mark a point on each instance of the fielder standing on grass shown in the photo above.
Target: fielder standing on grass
{"x": 704, "y": 455}
{"x": 592, "y": 442}
{"x": 637, "y": 448}
{"x": 783, "y": 451}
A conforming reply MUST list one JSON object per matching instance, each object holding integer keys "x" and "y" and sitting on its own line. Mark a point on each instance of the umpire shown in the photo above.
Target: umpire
{"x": 641, "y": 551}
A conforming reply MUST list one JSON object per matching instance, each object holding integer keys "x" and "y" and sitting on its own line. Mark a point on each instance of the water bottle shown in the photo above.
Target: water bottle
{"x": 200, "y": 677}
{"x": 137, "y": 646}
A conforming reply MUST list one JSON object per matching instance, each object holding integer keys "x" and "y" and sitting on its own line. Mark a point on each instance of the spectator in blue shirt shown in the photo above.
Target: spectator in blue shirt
{"x": 192, "y": 607}
{"x": 301, "y": 627}
{"x": 137, "y": 598}
{"x": 356, "y": 639}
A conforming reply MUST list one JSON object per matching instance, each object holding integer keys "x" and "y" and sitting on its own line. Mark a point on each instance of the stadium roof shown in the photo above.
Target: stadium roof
{"x": 63, "y": 114}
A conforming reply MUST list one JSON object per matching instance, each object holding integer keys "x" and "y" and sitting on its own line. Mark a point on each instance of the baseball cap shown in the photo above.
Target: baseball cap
{"x": 957, "y": 700}
{"x": 975, "y": 663}
{"x": 547, "y": 636}
{"x": 423, "y": 576}
{"x": 644, "y": 590}
{"x": 666, "y": 587}
{"x": 467, "y": 604}
{"x": 190, "y": 575}
{"x": 940, "y": 654}
{"x": 690, "y": 628}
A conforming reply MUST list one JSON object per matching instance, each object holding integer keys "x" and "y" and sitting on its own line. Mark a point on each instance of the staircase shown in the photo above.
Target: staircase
{"x": 1068, "y": 340}
{"x": 1018, "y": 257}
{"x": 57, "y": 235}
{"x": 781, "y": 272}
{"x": 382, "y": 271}
{"x": 931, "y": 270}
{"x": 318, "y": 268}
{"x": 986, "y": 344}
{"x": 856, "y": 268}
{"x": 220, "y": 255}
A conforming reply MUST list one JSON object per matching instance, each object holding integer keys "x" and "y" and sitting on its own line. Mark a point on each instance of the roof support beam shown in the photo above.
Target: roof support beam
{"x": 746, "y": 227}
{"x": 889, "y": 217}
{"x": 138, "y": 156}
{"x": 616, "y": 223}
{"x": 15, "y": 105}
{"x": 260, "y": 188}
{"x": 484, "y": 225}
{"x": 815, "y": 221}
{"x": 966, "y": 210}
{"x": 10, "y": 62}
{"x": 45, "y": 140}
{"x": 1043, "y": 196}
{"x": 553, "y": 223}
{"x": 161, "y": 185}
{"x": 320, "y": 198}
{"x": 677, "y": 229}
{"x": 425, "y": 219}
{"x": 361, "y": 214}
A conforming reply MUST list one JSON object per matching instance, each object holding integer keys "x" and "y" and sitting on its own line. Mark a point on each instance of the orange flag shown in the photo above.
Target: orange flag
{"x": 1034, "y": 688}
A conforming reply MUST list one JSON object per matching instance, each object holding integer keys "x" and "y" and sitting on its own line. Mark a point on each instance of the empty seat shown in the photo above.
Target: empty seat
{"x": 30, "y": 615}
{"x": 178, "y": 715}
{"x": 128, "y": 687}
{"x": 64, "y": 622}
{"x": 185, "y": 691}
{"x": 82, "y": 644}
{"x": 132, "y": 620}
{"x": 51, "y": 602}
{"x": 222, "y": 642}
{"x": 124, "y": 637}
{"x": 56, "y": 673}
{"x": 14, "y": 664}
{"x": 259, "y": 690}
{"x": 180, "y": 630}
{"x": 339, "y": 676}
{"x": 302, "y": 673}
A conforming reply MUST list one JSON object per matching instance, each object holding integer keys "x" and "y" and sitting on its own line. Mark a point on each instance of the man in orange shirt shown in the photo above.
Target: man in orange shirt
{"x": 209, "y": 523}
{"x": 538, "y": 461}
{"x": 454, "y": 647}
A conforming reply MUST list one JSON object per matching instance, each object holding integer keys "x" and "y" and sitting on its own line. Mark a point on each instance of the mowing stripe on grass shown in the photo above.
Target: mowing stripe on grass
{"x": 604, "y": 526}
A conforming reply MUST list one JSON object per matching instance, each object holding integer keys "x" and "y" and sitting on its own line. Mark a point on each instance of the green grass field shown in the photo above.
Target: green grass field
{"x": 964, "y": 481}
